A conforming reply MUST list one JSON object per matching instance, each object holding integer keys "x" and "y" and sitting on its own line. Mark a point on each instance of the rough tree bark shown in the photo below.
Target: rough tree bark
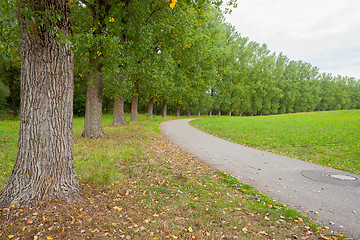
{"x": 93, "y": 108}
{"x": 164, "y": 110}
{"x": 119, "y": 113}
{"x": 189, "y": 113}
{"x": 44, "y": 167}
{"x": 134, "y": 108}
{"x": 150, "y": 108}
{"x": 230, "y": 113}
{"x": 198, "y": 113}
{"x": 210, "y": 113}
{"x": 219, "y": 113}
{"x": 178, "y": 111}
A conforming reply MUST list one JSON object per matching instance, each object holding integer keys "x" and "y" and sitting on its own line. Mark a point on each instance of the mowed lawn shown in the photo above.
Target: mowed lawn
{"x": 327, "y": 138}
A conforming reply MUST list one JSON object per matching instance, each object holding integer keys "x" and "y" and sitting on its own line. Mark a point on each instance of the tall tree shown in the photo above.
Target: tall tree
{"x": 93, "y": 112}
{"x": 44, "y": 167}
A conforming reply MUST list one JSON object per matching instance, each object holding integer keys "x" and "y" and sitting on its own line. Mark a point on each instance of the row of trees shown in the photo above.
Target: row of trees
{"x": 182, "y": 56}
{"x": 186, "y": 58}
{"x": 114, "y": 42}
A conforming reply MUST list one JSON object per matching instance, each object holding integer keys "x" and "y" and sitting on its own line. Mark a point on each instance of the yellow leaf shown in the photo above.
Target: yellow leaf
{"x": 44, "y": 218}
{"x": 11, "y": 236}
{"x": 117, "y": 208}
{"x": 190, "y": 229}
{"x": 173, "y": 3}
{"x": 49, "y": 238}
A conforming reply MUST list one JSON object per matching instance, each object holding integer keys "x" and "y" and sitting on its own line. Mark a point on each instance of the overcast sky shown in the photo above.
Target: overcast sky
{"x": 325, "y": 33}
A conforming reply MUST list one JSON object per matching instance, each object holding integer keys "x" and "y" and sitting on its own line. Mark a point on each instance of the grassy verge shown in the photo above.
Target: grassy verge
{"x": 326, "y": 138}
{"x": 137, "y": 185}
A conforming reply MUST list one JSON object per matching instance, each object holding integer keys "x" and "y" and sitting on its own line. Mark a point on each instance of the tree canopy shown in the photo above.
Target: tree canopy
{"x": 181, "y": 52}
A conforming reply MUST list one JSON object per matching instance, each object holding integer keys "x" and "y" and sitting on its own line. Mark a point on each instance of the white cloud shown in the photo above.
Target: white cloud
{"x": 325, "y": 33}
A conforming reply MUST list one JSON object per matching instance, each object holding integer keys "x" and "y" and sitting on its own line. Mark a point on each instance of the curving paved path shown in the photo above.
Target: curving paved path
{"x": 328, "y": 195}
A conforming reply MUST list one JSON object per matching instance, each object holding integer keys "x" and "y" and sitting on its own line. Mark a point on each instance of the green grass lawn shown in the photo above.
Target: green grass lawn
{"x": 327, "y": 138}
{"x": 135, "y": 184}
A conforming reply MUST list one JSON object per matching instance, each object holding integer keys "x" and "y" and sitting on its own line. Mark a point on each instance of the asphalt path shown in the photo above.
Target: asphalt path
{"x": 331, "y": 196}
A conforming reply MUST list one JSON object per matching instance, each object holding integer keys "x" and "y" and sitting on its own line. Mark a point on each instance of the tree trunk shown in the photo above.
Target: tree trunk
{"x": 189, "y": 113}
{"x": 164, "y": 111}
{"x": 219, "y": 113}
{"x": 150, "y": 113}
{"x": 199, "y": 113}
{"x": 178, "y": 111}
{"x": 230, "y": 114}
{"x": 93, "y": 108}
{"x": 94, "y": 95}
{"x": 119, "y": 113}
{"x": 44, "y": 167}
{"x": 210, "y": 113}
{"x": 134, "y": 108}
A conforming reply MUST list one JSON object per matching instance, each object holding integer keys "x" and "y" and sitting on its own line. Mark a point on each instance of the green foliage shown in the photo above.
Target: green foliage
{"x": 4, "y": 92}
{"x": 9, "y": 57}
{"x": 9, "y": 32}
{"x": 9, "y": 88}
{"x": 326, "y": 138}
{"x": 186, "y": 55}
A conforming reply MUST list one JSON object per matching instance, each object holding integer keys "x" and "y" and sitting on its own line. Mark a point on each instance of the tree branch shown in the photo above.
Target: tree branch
{"x": 151, "y": 14}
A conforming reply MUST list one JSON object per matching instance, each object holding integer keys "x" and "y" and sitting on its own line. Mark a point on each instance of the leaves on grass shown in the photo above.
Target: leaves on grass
{"x": 117, "y": 208}
{"x": 157, "y": 191}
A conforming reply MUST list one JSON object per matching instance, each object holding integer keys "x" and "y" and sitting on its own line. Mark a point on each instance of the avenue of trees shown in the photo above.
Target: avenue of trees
{"x": 186, "y": 59}
{"x": 149, "y": 56}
